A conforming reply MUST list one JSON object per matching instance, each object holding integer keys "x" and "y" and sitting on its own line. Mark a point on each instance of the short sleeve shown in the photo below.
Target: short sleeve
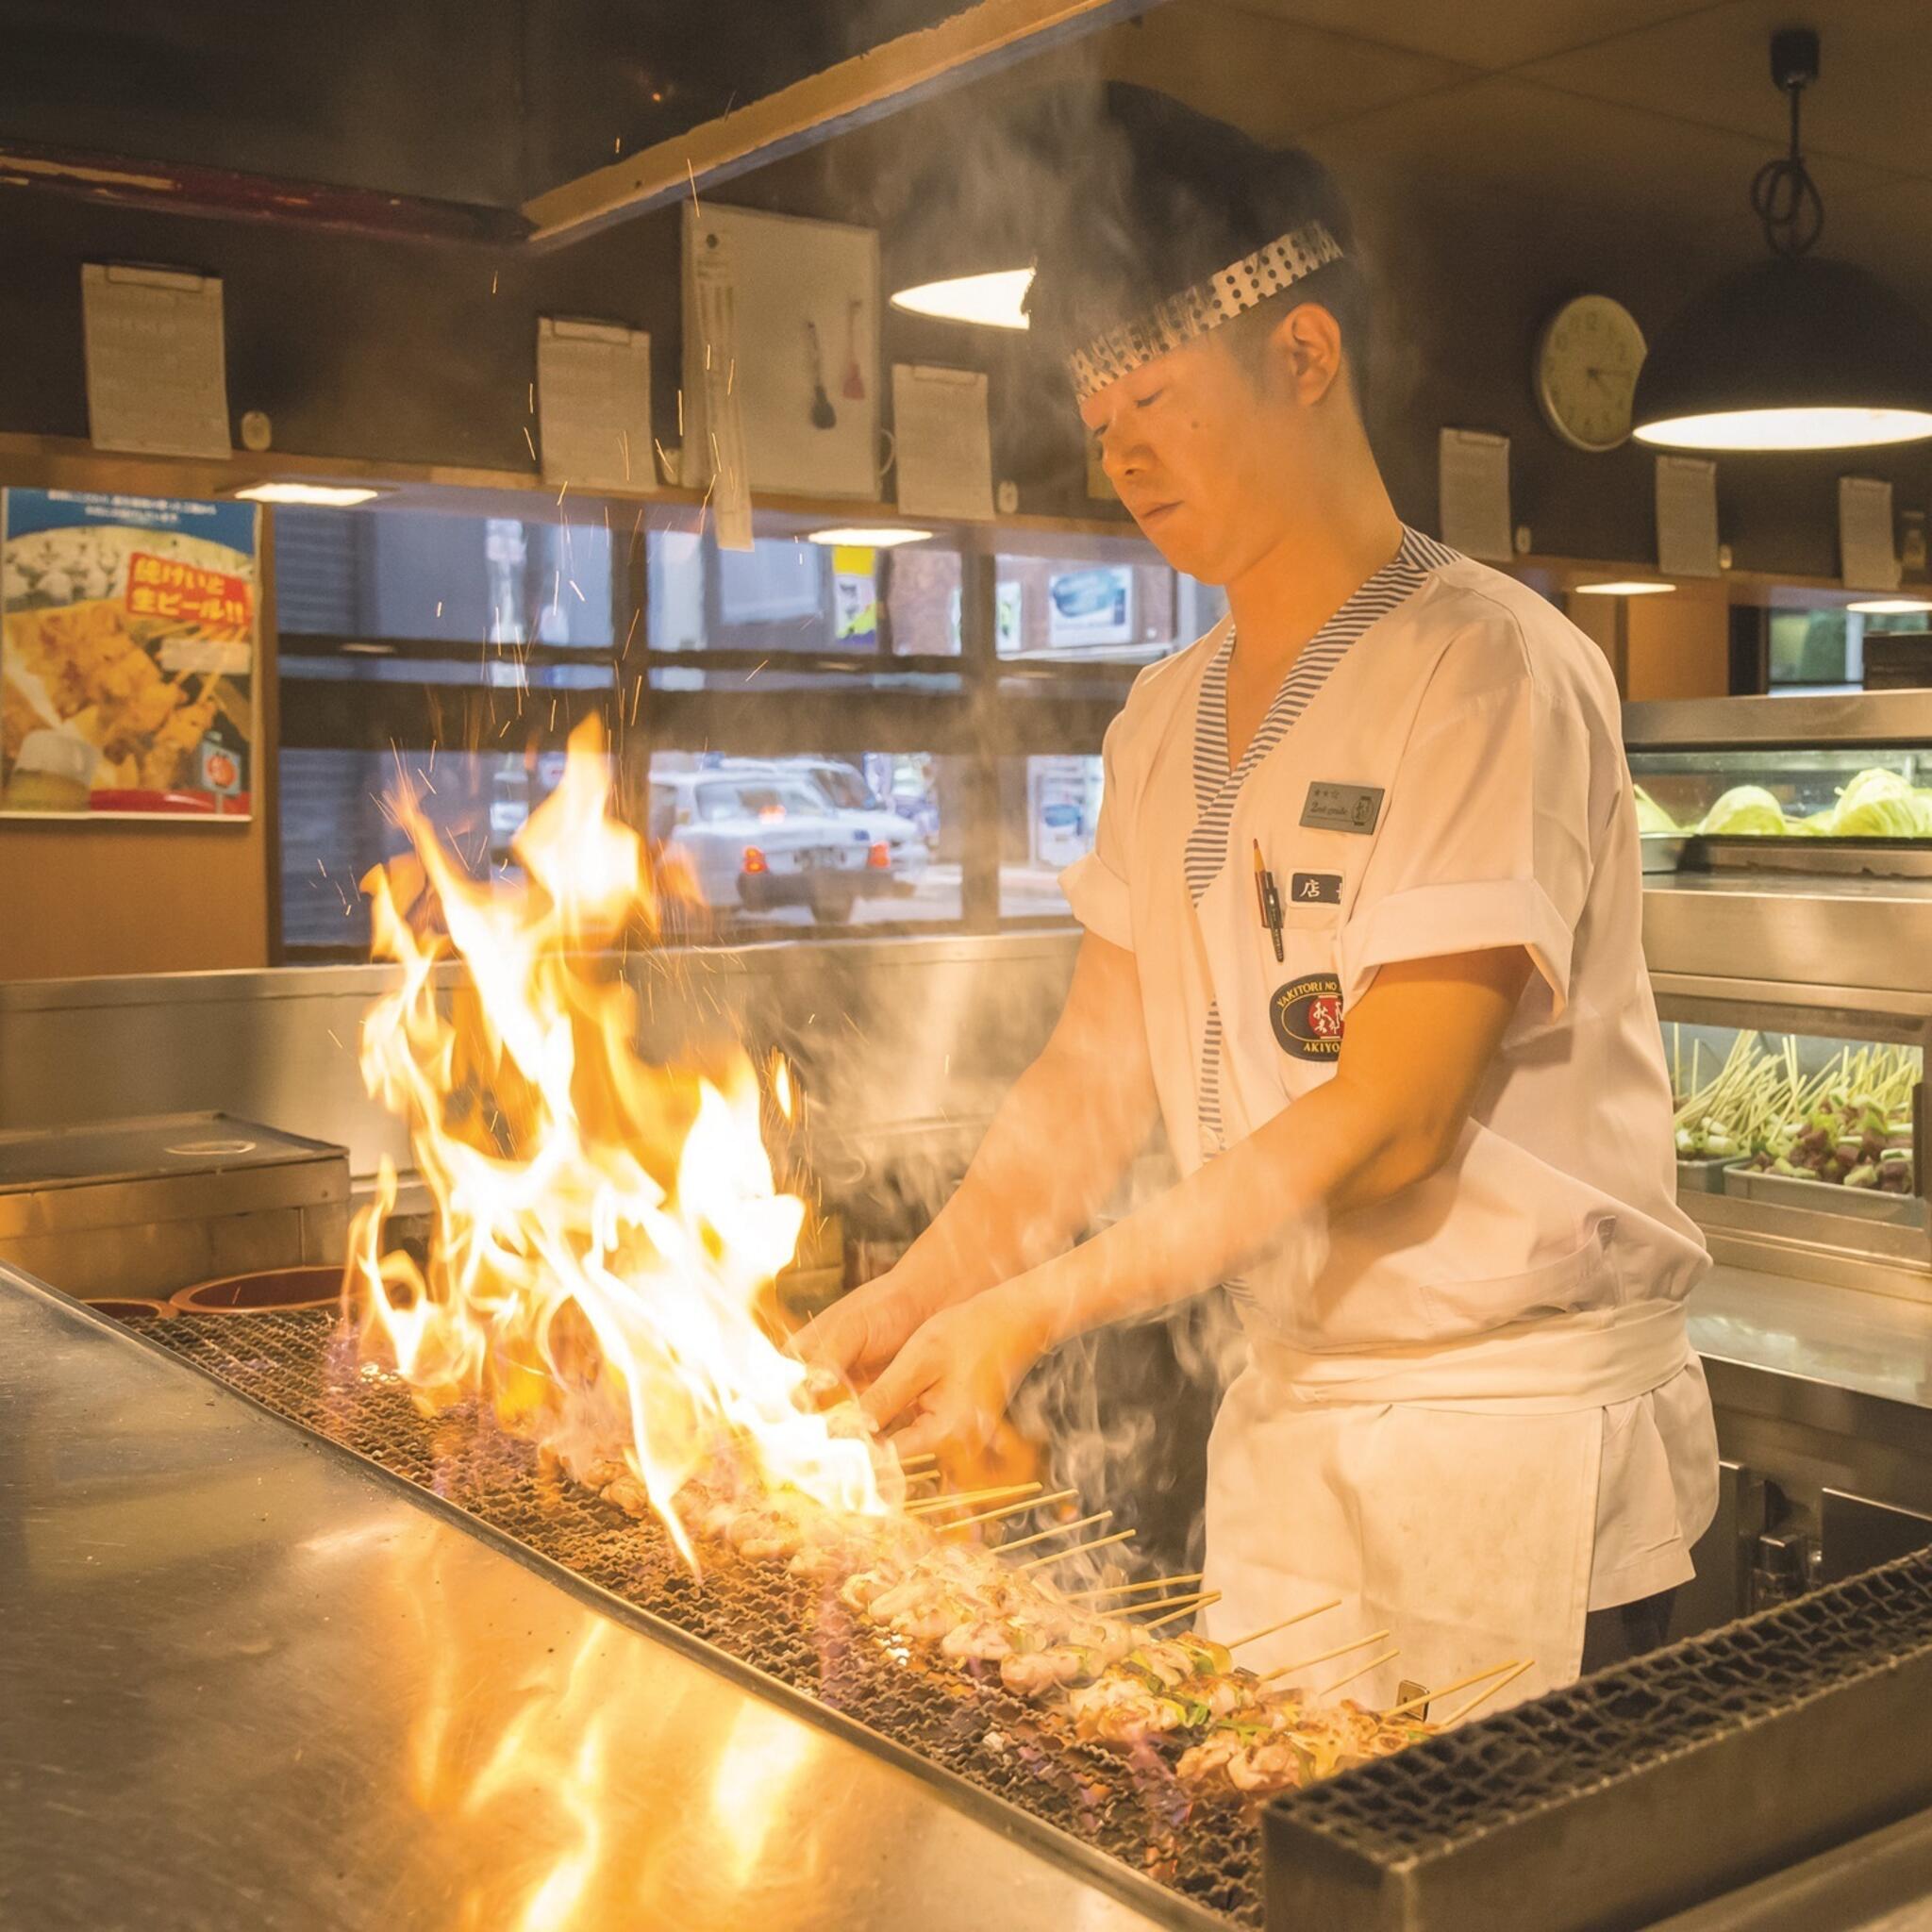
{"x": 1096, "y": 886}
{"x": 1486, "y": 840}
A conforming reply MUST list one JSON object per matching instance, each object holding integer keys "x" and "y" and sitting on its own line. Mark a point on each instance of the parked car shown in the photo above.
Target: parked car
{"x": 751, "y": 838}
{"x": 906, "y": 854}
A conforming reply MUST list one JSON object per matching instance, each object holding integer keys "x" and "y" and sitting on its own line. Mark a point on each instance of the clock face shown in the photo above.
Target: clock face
{"x": 1587, "y": 360}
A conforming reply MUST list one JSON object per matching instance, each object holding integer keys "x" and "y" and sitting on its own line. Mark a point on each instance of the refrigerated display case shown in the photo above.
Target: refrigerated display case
{"x": 1788, "y": 925}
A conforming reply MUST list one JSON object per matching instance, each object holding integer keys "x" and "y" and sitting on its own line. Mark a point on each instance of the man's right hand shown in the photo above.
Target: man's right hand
{"x": 863, "y": 1331}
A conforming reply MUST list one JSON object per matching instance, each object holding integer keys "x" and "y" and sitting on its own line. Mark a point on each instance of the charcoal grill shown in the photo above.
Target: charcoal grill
{"x": 304, "y": 1366}
{"x": 1605, "y": 1806}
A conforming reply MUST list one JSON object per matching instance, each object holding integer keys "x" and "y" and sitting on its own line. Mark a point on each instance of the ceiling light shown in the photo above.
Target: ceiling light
{"x": 1891, "y": 606}
{"x": 368, "y": 650}
{"x": 992, "y": 300}
{"x": 887, "y": 537}
{"x": 329, "y": 495}
{"x": 1622, "y": 587}
{"x": 1793, "y": 352}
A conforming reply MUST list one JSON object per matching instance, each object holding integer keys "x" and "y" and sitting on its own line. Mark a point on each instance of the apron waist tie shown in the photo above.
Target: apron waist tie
{"x": 1547, "y": 1365}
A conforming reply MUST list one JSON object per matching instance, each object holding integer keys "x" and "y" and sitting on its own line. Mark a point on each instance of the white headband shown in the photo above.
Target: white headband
{"x": 1177, "y": 319}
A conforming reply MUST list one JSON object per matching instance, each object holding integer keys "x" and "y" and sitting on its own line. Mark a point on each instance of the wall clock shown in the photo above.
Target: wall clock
{"x": 1584, "y": 372}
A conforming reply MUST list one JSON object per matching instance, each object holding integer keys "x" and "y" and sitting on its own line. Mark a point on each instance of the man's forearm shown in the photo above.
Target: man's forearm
{"x": 1049, "y": 1161}
{"x": 1338, "y": 1147}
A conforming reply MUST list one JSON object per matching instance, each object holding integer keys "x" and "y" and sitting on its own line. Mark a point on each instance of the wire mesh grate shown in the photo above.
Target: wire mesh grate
{"x": 1468, "y": 1783}
{"x": 304, "y": 1365}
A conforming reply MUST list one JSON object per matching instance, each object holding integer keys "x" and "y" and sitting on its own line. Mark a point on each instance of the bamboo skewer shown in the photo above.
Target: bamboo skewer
{"x": 1099, "y": 1542}
{"x": 1075, "y": 1597}
{"x": 1428, "y": 1697}
{"x": 923, "y": 1457}
{"x": 1186, "y": 1609}
{"x": 1308, "y": 1663}
{"x": 1269, "y": 1629}
{"x": 1375, "y": 1663}
{"x": 1042, "y": 1535}
{"x": 959, "y": 1498}
{"x": 1018, "y": 1508}
{"x": 1486, "y": 1692}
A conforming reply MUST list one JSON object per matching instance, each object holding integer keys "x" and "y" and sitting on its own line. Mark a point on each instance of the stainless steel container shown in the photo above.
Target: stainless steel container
{"x": 149, "y": 1205}
{"x": 1865, "y": 1204}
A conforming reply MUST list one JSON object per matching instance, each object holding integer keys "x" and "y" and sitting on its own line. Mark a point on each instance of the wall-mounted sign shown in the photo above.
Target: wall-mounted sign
{"x": 128, "y": 642}
{"x": 1090, "y": 606}
{"x": 156, "y": 363}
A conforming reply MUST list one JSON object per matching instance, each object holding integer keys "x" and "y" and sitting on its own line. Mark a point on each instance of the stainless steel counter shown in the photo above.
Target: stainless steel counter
{"x": 246, "y": 1681}
{"x": 1871, "y": 1344}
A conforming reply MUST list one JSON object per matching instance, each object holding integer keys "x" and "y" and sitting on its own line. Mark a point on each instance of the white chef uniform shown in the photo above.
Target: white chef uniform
{"x": 1481, "y": 1418}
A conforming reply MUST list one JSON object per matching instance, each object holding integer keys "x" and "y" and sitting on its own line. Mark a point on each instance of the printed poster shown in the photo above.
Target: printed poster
{"x": 128, "y": 642}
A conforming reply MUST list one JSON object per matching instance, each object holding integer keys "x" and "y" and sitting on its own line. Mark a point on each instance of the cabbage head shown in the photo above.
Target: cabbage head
{"x": 1879, "y": 803}
{"x": 1652, "y": 817}
{"x": 1746, "y": 810}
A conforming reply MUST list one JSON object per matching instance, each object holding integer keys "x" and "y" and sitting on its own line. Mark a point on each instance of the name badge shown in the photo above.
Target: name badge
{"x": 1315, "y": 888}
{"x": 1306, "y": 1017}
{"x": 1343, "y": 808}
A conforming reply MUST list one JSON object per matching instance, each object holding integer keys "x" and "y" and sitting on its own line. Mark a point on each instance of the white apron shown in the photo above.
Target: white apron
{"x": 1420, "y": 1431}
{"x": 1446, "y": 1495}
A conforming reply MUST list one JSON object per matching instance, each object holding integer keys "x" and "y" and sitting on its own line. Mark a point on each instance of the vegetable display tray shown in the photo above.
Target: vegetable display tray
{"x": 1820, "y": 1197}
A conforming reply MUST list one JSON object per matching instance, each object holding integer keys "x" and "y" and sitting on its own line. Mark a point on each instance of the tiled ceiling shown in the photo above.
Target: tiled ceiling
{"x": 1644, "y": 115}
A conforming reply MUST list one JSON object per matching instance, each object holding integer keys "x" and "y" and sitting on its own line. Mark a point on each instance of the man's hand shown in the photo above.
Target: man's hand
{"x": 863, "y": 1331}
{"x": 951, "y": 1383}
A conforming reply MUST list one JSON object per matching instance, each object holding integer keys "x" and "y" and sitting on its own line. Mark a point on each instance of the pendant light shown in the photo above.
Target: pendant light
{"x": 1794, "y": 353}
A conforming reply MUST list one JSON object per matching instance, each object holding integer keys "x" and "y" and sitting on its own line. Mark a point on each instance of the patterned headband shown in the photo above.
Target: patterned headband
{"x": 1242, "y": 285}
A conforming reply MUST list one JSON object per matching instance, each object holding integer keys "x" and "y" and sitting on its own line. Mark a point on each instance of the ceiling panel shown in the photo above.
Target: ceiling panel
{"x": 1277, "y": 78}
{"x": 1489, "y": 34}
{"x": 1869, "y": 104}
{"x": 1541, "y": 151}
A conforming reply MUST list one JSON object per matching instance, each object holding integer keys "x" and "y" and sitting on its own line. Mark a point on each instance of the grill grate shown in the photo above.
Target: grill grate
{"x": 304, "y": 1365}
{"x": 1474, "y": 1780}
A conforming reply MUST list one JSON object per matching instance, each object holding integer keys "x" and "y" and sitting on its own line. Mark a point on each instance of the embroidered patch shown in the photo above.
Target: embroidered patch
{"x": 1343, "y": 808}
{"x": 1306, "y": 1017}
{"x": 1315, "y": 888}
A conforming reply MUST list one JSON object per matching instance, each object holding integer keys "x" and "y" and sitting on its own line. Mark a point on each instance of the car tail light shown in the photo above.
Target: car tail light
{"x": 754, "y": 859}
{"x": 880, "y": 857}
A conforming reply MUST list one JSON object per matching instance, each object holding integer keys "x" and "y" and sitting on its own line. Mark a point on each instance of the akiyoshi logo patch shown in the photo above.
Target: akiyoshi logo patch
{"x": 1306, "y": 1017}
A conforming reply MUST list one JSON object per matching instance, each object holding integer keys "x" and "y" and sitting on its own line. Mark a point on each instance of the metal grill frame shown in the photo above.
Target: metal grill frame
{"x": 1126, "y": 1828}
{"x": 1635, "y": 1792}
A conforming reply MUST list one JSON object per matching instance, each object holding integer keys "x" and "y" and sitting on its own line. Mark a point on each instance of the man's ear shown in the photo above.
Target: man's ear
{"x": 1304, "y": 349}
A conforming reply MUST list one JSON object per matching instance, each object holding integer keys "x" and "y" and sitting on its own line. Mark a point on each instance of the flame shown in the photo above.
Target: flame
{"x": 604, "y": 1226}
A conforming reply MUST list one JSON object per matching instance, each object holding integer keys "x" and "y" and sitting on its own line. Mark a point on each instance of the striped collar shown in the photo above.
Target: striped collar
{"x": 1215, "y": 787}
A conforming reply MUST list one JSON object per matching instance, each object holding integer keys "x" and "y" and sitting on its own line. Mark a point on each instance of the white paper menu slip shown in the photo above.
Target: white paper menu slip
{"x": 714, "y": 455}
{"x": 156, "y": 366}
{"x": 1867, "y": 560}
{"x": 593, "y": 405}
{"x": 1687, "y": 542}
{"x": 941, "y": 446}
{"x": 1472, "y": 482}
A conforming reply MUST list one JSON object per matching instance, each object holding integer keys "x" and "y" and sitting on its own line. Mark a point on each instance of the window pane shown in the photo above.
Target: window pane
{"x": 810, "y": 840}
{"x": 1117, "y": 602}
{"x": 380, "y": 573}
{"x": 786, "y": 594}
{"x": 1049, "y": 809}
{"x": 338, "y": 822}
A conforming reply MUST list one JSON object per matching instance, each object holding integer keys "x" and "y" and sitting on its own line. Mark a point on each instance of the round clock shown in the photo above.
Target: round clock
{"x": 1585, "y": 372}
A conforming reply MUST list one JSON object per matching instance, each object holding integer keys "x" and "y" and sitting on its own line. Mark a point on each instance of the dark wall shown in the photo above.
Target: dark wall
{"x": 420, "y": 353}
{"x": 1464, "y": 288}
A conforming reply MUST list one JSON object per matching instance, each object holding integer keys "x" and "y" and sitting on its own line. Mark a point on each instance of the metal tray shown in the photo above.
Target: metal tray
{"x": 1822, "y": 1197}
{"x": 1706, "y": 1177}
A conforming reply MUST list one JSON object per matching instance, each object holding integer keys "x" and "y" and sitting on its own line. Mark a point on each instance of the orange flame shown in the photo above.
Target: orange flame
{"x": 604, "y": 1225}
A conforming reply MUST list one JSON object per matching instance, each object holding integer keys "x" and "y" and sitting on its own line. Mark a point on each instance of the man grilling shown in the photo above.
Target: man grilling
{"x": 1362, "y": 929}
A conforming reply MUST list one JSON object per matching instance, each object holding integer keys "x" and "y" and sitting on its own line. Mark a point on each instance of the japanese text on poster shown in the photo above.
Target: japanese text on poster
{"x": 127, "y": 640}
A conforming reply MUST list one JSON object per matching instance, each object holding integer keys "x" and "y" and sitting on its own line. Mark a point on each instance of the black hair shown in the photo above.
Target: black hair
{"x": 1157, "y": 199}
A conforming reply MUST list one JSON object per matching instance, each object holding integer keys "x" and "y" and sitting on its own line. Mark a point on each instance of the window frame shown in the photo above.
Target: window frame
{"x": 979, "y": 707}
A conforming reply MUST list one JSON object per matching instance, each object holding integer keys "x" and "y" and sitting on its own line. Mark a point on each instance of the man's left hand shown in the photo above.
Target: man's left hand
{"x": 951, "y": 1383}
